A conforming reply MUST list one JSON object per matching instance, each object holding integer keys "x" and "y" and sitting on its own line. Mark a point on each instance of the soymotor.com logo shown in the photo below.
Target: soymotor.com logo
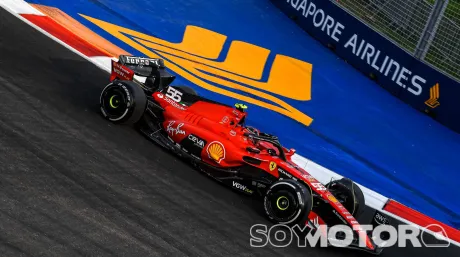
{"x": 343, "y": 236}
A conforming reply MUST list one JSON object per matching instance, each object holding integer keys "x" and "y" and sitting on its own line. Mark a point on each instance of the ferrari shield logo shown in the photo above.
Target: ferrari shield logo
{"x": 272, "y": 166}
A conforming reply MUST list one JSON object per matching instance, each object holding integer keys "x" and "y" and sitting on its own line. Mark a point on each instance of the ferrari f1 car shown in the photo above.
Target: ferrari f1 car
{"x": 215, "y": 139}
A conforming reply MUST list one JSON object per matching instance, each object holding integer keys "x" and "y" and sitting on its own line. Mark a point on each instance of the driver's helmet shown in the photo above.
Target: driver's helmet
{"x": 241, "y": 107}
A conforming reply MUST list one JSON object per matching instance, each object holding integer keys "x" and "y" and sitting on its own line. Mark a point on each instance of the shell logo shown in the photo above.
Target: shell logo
{"x": 216, "y": 151}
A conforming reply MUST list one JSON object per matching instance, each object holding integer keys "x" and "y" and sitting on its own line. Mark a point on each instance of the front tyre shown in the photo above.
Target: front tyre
{"x": 288, "y": 202}
{"x": 123, "y": 102}
{"x": 349, "y": 194}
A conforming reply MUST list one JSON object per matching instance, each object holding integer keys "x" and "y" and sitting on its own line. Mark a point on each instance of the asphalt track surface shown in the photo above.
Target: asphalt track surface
{"x": 72, "y": 184}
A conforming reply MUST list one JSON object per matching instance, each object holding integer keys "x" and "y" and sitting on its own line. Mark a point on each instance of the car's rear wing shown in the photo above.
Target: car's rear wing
{"x": 141, "y": 61}
{"x": 120, "y": 71}
{"x": 151, "y": 72}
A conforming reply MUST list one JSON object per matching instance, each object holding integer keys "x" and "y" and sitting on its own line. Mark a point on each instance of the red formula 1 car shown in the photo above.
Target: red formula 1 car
{"x": 216, "y": 140}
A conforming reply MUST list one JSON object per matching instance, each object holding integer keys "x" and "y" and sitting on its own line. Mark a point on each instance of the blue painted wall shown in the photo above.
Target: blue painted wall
{"x": 395, "y": 69}
{"x": 359, "y": 130}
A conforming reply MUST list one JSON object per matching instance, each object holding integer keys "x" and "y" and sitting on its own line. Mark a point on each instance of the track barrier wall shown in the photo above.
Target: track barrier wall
{"x": 407, "y": 78}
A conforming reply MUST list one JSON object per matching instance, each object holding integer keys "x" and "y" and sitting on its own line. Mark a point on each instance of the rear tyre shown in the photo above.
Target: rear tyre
{"x": 349, "y": 194}
{"x": 123, "y": 102}
{"x": 288, "y": 202}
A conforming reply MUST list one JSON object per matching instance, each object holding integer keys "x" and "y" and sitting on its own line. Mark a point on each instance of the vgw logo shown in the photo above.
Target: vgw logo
{"x": 196, "y": 59}
{"x": 239, "y": 186}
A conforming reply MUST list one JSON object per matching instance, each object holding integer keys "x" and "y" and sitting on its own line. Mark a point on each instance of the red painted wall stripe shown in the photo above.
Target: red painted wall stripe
{"x": 420, "y": 219}
{"x": 63, "y": 34}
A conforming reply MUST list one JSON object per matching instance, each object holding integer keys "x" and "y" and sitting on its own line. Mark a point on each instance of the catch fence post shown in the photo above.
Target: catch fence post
{"x": 431, "y": 28}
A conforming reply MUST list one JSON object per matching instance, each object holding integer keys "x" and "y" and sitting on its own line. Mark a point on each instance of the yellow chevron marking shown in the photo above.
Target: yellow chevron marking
{"x": 242, "y": 69}
{"x": 434, "y": 97}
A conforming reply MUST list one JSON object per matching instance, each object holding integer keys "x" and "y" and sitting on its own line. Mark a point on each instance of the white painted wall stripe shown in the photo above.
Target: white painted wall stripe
{"x": 19, "y": 7}
{"x": 324, "y": 175}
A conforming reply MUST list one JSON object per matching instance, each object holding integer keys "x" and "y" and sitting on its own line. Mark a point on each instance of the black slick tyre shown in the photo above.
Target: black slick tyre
{"x": 287, "y": 202}
{"x": 123, "y": 102}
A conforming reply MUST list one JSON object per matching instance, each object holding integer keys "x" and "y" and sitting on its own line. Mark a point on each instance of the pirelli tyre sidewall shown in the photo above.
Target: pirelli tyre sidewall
{"x": 287, "y": 202}
{"x": 123, "y": 102}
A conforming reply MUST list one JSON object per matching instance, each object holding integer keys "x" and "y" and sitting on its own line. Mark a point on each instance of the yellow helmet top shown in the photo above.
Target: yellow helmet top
{"x": 241, "y": 107}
